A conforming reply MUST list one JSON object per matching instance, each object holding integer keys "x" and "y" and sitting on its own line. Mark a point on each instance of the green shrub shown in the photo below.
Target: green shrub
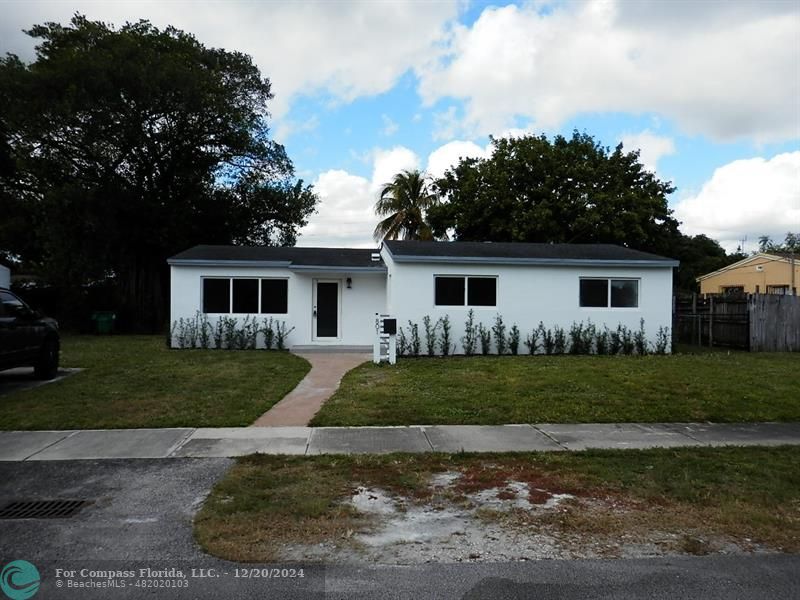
{"x": 499, "y": 330}
{"x": 559, "y": 340}
{"x": 268, "y": 330}
{"x": 601, "y": 341}
{"x": 430, "y": 334}
{"x": 640, "y": 339}
{"x": 444, "y": 344}
{"x": 532, "y": 341}
{"x": 662, "y": 340}
{"x": 548, "y": 342}
{"x": 513, "y": 340}
{"x": 402, "y": 342}
{"x": 414, "y": 342}
{"x": 485, "y": 336}
{"x": 470, "y": 339}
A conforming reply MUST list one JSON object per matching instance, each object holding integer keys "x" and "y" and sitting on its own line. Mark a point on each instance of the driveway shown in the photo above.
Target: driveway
{"x": 141, "y": 517}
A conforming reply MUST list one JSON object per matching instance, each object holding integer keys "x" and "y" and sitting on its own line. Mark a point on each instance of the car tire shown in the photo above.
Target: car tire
{"x": 47, "y": 365}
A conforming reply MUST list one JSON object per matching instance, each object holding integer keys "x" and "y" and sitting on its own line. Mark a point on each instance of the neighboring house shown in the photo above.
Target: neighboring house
{"x": 330, "y": 295}
{"x": 5, "y": 277}
{"x": 762, "y": 273}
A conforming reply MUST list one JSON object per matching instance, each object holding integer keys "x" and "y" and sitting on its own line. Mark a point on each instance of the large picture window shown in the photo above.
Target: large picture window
{"x": 465, "y": 290}
{"x": 240, "y": 295}
{"x": 607, "y": 292}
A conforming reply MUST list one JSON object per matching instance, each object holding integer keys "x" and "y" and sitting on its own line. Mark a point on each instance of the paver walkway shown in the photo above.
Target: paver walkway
{"x": 300, "y": 405}
{"x": 239, "y": 441}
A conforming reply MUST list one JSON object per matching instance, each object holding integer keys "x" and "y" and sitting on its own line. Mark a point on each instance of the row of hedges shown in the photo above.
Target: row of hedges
{"x": 228, "y": 334}
{"x": 435, "y": 338}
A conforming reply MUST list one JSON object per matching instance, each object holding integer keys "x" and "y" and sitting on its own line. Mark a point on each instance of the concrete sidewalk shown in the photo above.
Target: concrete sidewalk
{"x": 239, "y": 441}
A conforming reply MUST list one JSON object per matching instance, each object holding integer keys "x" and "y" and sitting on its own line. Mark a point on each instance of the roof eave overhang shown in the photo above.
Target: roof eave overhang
{"x": 337, "y": 269}
{"x": 273, "y": 264}
{"x": 193, "y": 262}
{"x": 541, "y": 262}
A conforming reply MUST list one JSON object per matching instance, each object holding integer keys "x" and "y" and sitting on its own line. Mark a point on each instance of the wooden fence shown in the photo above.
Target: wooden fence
{"x": 758, "y": 322}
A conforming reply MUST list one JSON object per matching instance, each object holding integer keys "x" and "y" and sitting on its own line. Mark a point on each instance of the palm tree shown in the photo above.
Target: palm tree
{"x": 404, "y": 203}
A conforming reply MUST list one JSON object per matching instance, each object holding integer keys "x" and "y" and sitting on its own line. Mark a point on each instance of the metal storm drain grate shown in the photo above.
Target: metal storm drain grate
{"x": 42, "y": 509}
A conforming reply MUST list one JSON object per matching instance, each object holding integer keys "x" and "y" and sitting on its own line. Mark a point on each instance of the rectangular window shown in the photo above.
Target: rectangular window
{"x": 778, "y": 289}
{"x": 624, "y": 293}
{"x": 245, "y": 296}
{"x": 275, "y": 296}
{"x": 594, "y": 292}
{"x": 465, "y": 291}
{"x": 614, "y": 293}
{"x": 482, "y": 291}
{"x": 449, "y": 291}
{"x": 216, "y": 295}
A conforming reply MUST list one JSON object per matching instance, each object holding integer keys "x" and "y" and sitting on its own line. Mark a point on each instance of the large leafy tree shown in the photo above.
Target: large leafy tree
{"x": 573, "y": 190}
{"x": 404, "y": 203}
{"x": 131, "y": 144}
{"x": 534, "y": 189}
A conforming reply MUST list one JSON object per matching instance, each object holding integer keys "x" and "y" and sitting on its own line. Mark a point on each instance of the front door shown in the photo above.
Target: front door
{"x": 326, "y": 309}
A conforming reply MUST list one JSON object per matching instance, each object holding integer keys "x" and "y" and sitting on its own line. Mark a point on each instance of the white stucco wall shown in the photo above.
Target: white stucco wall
{"x": 358, "y": 305}
{"x": 527, "y": 295}
{"x": 5, "y": 277}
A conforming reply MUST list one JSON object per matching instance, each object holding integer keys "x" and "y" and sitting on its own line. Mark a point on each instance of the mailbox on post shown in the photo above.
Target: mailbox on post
{"x": 390, "y": 326}
{"x": 385, "y": 346}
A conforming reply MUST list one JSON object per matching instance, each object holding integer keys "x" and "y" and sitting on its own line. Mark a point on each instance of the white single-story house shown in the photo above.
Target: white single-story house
{"x": 330, "y": 296}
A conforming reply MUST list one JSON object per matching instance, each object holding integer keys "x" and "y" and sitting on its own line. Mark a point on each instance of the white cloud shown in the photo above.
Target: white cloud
{"x": 751, "y": 197}
{"x": 651, "y": 147}
{"x": 339, "y": 48}
{"x": 725, "y": 70}
{"x": 346, "y": 211}
{"x": 389, "y": 126}
{"x": 287, "y": 128}
{"x": 449, "y": 154}
{"x": 387, "y": 163}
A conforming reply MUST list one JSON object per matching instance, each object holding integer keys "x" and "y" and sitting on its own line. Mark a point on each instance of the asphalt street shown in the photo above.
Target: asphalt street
{"x": 141, "y": 518}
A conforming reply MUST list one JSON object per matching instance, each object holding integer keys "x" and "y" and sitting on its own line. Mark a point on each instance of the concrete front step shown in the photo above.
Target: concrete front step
{"x": 304, "y": 349}
{"x": 240, "y": 441}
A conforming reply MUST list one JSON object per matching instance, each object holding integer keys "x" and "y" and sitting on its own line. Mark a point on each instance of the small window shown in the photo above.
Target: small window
{"x": 245, "y": 296}
{"x": 624, "y": 293}
{"x": 594, "y": 292}
{"x": 482, "y": 291}
{"x": 274, "y": 296}
{"x": 216, "y": 295}
{"x": 778, "y": 289}
{"x": 733, "y": 289}
{"x": 449, "y": 291}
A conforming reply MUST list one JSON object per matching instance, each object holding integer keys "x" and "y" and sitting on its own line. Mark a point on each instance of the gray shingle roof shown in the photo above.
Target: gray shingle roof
{"x": 522, "y": 252}
{"x": 286, "y": 256}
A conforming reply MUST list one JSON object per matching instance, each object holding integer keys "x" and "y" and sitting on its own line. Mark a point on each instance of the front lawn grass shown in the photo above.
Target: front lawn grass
{"x": 135, "y": 381}
{"x": 486, "y": 390}
{"x": 747, "y": 495}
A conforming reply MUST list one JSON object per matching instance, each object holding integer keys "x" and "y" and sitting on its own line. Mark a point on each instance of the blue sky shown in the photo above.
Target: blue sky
{"x": 708, "y": 91}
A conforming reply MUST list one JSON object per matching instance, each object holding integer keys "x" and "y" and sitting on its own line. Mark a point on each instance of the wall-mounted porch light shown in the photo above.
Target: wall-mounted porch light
{"x": 349, "y": 283}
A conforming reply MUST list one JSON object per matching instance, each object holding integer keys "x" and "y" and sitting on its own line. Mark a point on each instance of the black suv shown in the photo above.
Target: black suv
{"x": 27, "y": 338}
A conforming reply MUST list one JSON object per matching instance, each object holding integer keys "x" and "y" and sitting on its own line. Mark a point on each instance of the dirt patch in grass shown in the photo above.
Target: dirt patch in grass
{"x": 405, "y": 509}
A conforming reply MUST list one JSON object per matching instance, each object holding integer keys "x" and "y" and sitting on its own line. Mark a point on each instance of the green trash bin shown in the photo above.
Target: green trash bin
{"x": 104, "y": 322}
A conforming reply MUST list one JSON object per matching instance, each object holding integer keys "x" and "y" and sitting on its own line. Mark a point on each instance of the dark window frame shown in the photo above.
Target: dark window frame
{"x": 259, "y": 299}
{"x": 465, "y": 302}
{"x": 609, "y": 293}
